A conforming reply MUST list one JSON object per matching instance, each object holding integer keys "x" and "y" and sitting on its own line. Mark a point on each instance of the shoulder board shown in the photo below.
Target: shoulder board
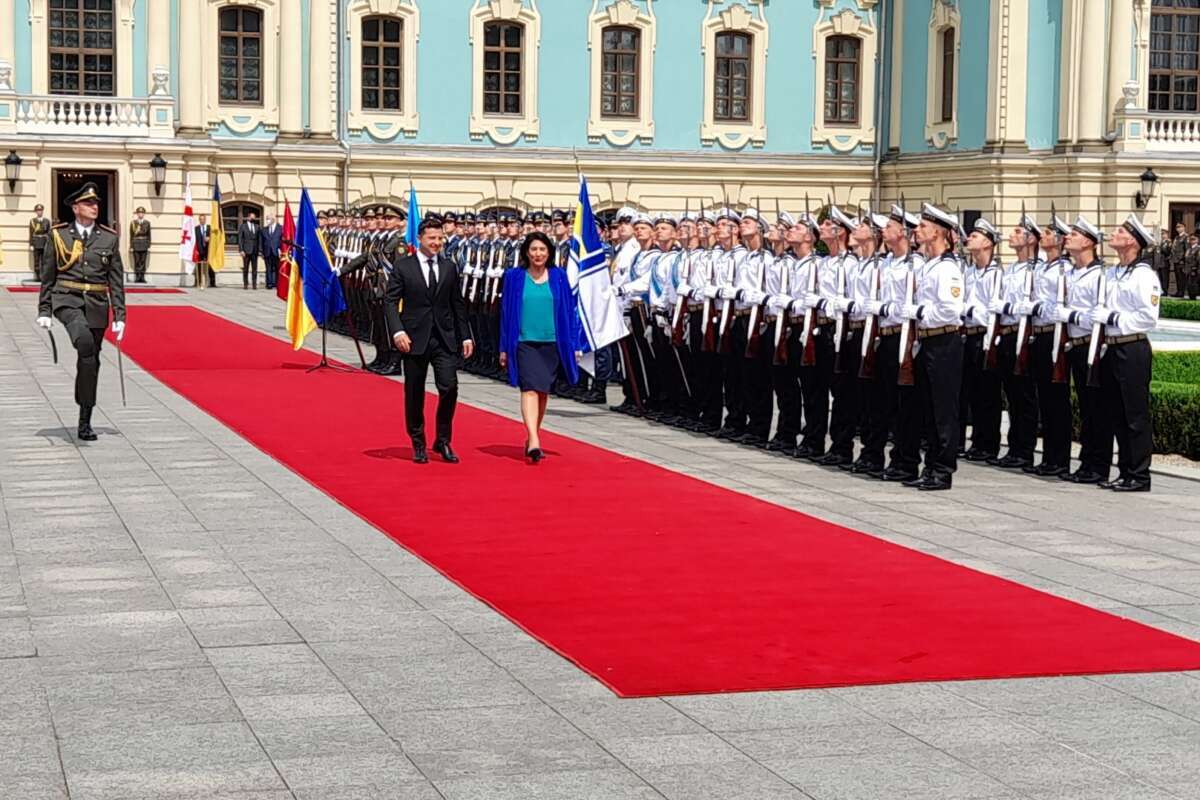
{"x": 62, "y": 225}
{"x": 105, "y": 228}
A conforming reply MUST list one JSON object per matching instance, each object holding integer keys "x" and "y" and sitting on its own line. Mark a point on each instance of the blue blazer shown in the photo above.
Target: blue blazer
{"x": 566, "y": 320}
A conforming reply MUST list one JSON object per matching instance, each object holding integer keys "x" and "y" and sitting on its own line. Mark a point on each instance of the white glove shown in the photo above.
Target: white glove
{"x": 45, "y": 322}
{"x": 1101, "y": 314}
{"x": 812, "y": 300}
{"x": 755, "y": 297}
{"x": 777, "y": 302}
{"x": 873, "y": 307}
{"x": 118, "y": 329}
{"x": 727, "y": 293}
{"x": 910, "y": 311}
{"x": 711, "y": 292}
{"x": 1062, "y": 313}
{"x": 995, "y": 306}
{"x": 1023, "y": 308}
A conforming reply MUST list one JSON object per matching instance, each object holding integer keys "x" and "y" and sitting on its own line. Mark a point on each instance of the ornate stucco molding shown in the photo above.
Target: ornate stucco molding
{"x": 506, "y": 128}
{"x": 385, "y": 125}
{"x": 862, "y": 26}
{"x": 943, "y": 16}
{"x": 746, "y": 17}
{"x": 622, "y": 131}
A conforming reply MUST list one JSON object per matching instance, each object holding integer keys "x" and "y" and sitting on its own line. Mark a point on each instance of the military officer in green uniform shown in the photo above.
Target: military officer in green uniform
{"x": 82, "y": 277}
{"x": 39, "y": 234}
{"x": 139, "y": 244}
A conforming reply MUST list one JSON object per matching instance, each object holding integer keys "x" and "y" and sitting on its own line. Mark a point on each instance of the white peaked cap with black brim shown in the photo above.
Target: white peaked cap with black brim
{"x": 1082, "y": 225}
{"x": 838, "y": 217}
{"x": 939, "y": 217}
{"x": 1139, "y": 231}
{"x": 987, "y": 229}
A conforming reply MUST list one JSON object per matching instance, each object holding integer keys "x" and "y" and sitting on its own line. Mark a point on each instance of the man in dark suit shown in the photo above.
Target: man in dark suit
{"x": 269, "y": 243}
{"x": 248, "y": 247}
{"x": 203, "y": 234}
{"x": 429, "y": 328}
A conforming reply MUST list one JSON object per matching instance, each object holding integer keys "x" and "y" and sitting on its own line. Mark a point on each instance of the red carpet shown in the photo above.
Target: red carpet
{"x": 653, "y": 582}
{"x": 128, "y": 290}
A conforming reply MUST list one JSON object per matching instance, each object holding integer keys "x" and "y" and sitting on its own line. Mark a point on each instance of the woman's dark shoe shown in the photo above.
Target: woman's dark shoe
{"x": 534, "y": 454}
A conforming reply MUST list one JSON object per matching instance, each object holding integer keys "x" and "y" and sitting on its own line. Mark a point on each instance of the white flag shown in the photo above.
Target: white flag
{"x": 600, "y": 314}
{"x": 187, "y": 236}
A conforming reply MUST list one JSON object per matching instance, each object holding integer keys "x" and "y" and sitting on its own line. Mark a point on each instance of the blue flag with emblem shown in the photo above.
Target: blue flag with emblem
{"x": 322, "y": 289}
{"x": 600, "y": 317}
{"x": 414, "y": 221}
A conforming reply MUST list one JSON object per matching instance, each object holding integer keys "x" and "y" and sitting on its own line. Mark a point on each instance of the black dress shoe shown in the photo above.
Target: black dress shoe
{"x": 994, "y": 460}
{"x": 729, "y": 433}
{"x": 443, "y": 449}
{"x": 1131, "y": 485}
{"x": 893, "y": 475}
{"x": 593, "y": 397}
{"x": 419, "y": 454}
{"x": 1083, "y": 476}
{"x": 978, "y": 455}
{"x": 865, "y": 468}
{"x": 934, "y": 483}
{"x": 535, "y": 455}
{"x": 752, "y": 439}
{"x": 1050, "y": 471}
{"x": 808, "y": 453}
{"x": 85, "y": 432}
{"x": 915, "y": 482}
{"x": 1107, "y": 484}
{"x": 832, "y": 460}
{"x": 1030, "y": 468}
{"x": 779, "y": 446}
{"x": 1013, "y": 462}
{"x": 623, "y": 408}
{"x": 708, "y": 428}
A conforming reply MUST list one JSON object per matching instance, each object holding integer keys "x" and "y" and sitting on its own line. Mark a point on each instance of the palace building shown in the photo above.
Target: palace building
{"x": 982, "y": 106}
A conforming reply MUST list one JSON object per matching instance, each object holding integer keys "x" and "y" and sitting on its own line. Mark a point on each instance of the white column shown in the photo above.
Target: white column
{"x": 1091, "y": 116}
{"x": 7, "y": 42}
{"x": 1008, "y": 69}
{"x": 321, "y": 69}
{"x": 1120, "y": 56}
{"x": 158, "y": 31}
{"x": 894, "y": 101}
{"x": 191, "y": 76}
{"x": 291, "y": 105}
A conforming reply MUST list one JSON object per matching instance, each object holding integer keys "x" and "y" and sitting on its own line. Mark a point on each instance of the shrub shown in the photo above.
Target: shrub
{"x": 1175, "y": 412}
{"x": 1174, "y": 308}
{"x": 1177, "y": 367}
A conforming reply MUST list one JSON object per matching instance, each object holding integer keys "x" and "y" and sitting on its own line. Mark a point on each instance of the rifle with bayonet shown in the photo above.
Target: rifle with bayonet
{"x": 1096, "y": 342}
{"x": 1060, "y": 369}
{"x": 866, "y": 366}
{"x": 679, "y": 319}
{"x": 908, "y": 328}
{"x": 808, "y": 330}
{"x": 1022, "y": 342}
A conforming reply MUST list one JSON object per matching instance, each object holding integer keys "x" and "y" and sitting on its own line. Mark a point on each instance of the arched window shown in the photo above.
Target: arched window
{"x": 1174, "y": 56}
{"x": 619, "y": 78}
{"x": 240, "y": 60}
{"x": 82, "y": 49}
{"x": 947, "y": 104}
{"x": 382, "y": 50}
{"x": 731, "y": 89}
{"x": 232, "y": 217}
{"x": 841, "y": 80}
{"x": 503, "y": 54}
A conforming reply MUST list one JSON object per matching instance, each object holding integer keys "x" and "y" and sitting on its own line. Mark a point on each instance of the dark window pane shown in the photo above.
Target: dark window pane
{"x": 512, "y": 104}
{"x": 491, "y": 60}
{"x": 371, "y": 77}
{"x": 391, "y": 99}
{"x": 229, "y": 19}
{"x": 391, "y": 78}
{"x": 512, "y": 36}
{"x": 370, "y": 56}
{"x": 391, "y": 30}
{"x": 512, "y": 61}
{"x": 491, "y": 35}
{"x": 250, "y": 21}
{"x": 512, "y": 82}
{"x": 370, "y": 28}
{"x": 370, "y": 98}
{"x": 491, "y": 103}
{"x": 391, "y": 57}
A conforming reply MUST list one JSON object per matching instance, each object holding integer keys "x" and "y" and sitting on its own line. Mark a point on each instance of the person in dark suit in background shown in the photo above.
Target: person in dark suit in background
{"x": 428, "y": 318}
{"x": 269, "y": 243}
{"x": 203, "y": 234}
{"x": 248, "y": 247}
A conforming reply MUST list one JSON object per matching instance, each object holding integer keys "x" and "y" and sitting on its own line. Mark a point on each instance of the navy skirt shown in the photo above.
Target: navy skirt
{"x": 537, "y": 366}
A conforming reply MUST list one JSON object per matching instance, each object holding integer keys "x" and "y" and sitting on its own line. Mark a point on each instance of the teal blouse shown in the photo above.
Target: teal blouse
{"x": 537, "y": 311}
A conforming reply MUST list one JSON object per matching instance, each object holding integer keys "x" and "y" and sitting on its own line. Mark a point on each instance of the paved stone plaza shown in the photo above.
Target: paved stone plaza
{"x": 182, "y": 617}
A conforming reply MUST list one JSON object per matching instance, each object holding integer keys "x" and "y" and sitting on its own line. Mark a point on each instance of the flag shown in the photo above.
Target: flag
{"x": 321, "y": 289}
{"x": 600, "y": 317}
{"x": 286, "y": 262}
{"x": 216, "y": 241}
{"x": 187, "y": 236}
{"x": 297, "y": 319}
{"x": 414, "y": 220}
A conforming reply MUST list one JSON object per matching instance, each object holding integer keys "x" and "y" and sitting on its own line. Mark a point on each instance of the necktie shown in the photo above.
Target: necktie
{"x": 432, "y": 280}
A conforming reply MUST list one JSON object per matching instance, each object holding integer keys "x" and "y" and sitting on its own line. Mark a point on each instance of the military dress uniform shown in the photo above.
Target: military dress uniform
{"x": 1129, "y": 313}
{"x": 708, "y": 386}
{"x": 83, "y": 282}
{"x": 39, "y": 236}
{"x": 1179, "y": 247}
{"x": 1054, "y": 399}
{"x": 840, "y": 277}
{"x": 751, "y": 408}
{"x": 1191, "y": 273}
{"x": 981, "y": 384}
{"x": 1019, "y": 388}
{"x": 139, "y": 246}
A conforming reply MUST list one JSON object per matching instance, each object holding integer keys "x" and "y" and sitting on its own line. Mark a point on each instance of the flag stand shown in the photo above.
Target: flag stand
{"x": 324, "y": 362}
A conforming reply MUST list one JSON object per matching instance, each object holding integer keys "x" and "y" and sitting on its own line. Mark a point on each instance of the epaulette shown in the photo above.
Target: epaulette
{"x": 106, "y": 228}
{"x": 60, "y": 225}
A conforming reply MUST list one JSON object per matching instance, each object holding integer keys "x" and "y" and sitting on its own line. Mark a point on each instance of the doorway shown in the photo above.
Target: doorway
{"x": 1187, "y": 213}
{"x": 67, "y": 181}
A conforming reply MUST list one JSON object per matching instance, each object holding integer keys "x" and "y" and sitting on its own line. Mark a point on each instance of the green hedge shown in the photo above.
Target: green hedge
{"x": 1175, "y": 412}
{"x": 1174, "y": 308}
{"x": 1177, "y": 366}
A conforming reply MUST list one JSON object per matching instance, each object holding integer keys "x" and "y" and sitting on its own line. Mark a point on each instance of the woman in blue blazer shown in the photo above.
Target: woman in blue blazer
{"x": 539, "y": 329}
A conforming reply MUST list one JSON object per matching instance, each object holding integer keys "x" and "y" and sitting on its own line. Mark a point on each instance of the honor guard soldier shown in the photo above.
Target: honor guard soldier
{"x": 635, "y": 297}
{"x": 82, "y": 277}
{"x": 1015, "y": 307}
{"x": 785, "y": 384}
{"x": 139, "y": 244}
{"x": 628, "y": 250}
{"x": 836, "y": 277}
{"x": 803, "y": 276}
{"x": 752, "y": 409}
{"x": 1054, "y": 397}
{"x": 722, "y": 290}
{"x": 707, "y": 388}
{"x": 984, "y": 280}
{"x": 1084, "y": 285}
{"x": 937, "y": 309}
{"x": 1179, "y": 246}
{"x": 864, "y": 292}
{"x": 1191, "y": 269}
{"x": 39, "y": 236}
{"x": 1129, "y": 312}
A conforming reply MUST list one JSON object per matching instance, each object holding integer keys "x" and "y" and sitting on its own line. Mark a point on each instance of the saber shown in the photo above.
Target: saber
{"x": 121, "y": 371}
{"x": 53, "y": 345}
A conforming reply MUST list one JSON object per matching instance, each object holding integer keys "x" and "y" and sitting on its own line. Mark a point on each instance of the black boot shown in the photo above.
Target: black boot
{"x": 85, "y": 432}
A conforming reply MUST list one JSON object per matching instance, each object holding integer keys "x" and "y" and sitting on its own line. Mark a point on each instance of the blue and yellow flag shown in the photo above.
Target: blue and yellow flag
{"x": 321, "y": 289}
{"x": 414, "y": 221}
{"x": 602, "y": 322}
{"x": 298, "y": 321}
{"x": 216, "y": 234}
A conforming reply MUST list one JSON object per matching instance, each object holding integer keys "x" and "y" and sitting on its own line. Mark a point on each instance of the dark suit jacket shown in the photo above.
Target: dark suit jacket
{"x": 411, "y": 308}
{"x": 270, "y": 242}
{"x": 203, "y": 237}
{"x": 248, "y": 242}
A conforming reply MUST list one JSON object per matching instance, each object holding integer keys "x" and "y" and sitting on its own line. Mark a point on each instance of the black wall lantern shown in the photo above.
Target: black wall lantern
{"x": 12, "y": 169}
{"x": 1149, "y": 179}
{"x": 158, "y": 167}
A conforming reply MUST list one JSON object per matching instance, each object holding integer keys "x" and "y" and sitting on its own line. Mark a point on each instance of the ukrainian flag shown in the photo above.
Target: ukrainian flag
{"x": 216, "y": 242}
{"x": 299, "y": 322}
{"x": 321, "y": 290}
